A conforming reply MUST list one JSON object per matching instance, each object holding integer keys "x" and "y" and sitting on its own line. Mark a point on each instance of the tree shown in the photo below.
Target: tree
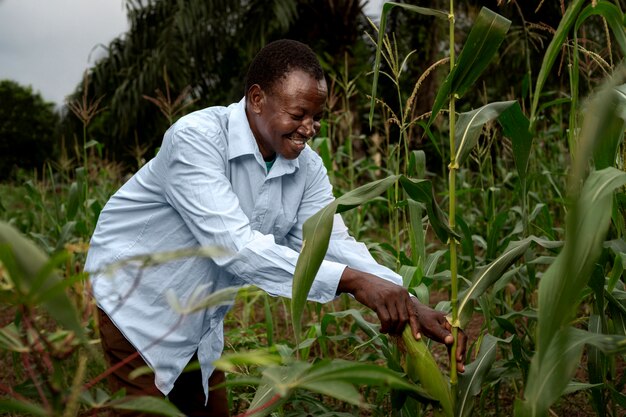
{"x": 204, "y": 47}
{"x": 27, "y": 127}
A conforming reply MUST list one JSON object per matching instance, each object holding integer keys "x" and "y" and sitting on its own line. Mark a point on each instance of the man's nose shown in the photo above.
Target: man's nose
{"x": 309, "y": 127}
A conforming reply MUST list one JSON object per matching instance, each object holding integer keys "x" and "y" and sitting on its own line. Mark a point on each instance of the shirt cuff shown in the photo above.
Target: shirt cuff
{"x": 324, "y": 288}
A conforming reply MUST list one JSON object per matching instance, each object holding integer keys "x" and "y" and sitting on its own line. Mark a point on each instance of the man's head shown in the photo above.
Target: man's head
{"x": 285, "y": 98}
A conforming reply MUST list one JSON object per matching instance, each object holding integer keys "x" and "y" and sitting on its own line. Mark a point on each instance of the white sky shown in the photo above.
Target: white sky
{"x": 48, "y": 44}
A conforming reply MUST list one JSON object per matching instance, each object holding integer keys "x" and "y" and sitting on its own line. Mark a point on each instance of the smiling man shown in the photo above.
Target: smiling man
{"x": 241, "y": 177}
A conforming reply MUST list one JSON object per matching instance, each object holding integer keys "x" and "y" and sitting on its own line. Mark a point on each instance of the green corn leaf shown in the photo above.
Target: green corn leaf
{"x": 364, "y": 194}
{"x": 417, "y": 168}
{"x": 101, "y": 397}
{"x": 515, "y": 126}
{"x": 230, "y": 361}
{"x": 275, "y": 389}
{"x": 146, "y": 404}
{"x": 588, "y": 223}
{"x": 23, "y": 407}
{"x": 574, "y": 386}
{"x": 619, "y": 317}
{"x": 29, "y": 261}
{"x": 596, "y": 364}
{"x": 618, "y": 397}
{"x": 613, "y": 16}
{"x": 342, "y": 391}
{"x": 558, "y": 346}
{"x": 470, "y": 381}
{"x": 481, "y": 45}
{"x": 422, "y": 191}
{"x": 317, "y": 229}
{"x": 426, "y": 369}
{"x": 73, "y": 201}
{"x": 489, "y": 274}
{"x": 321, "y": 144}
{"x": 327, "y": 373}
{"x": 552, "y": 52}
{"x": 199, "y": 300}
{"x": 381, "y": 34}
{"x": 470, "y": 125}
{"x": 10, "y": 339}
{"x": 49, "y": 268}
{"x": 159, "y": 258}
{"x": 549, "y": 377}
{"x": 611, "y": 128}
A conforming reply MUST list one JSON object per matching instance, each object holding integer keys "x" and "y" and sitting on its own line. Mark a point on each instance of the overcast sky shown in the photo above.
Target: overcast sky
{"x": 48, "y": 44}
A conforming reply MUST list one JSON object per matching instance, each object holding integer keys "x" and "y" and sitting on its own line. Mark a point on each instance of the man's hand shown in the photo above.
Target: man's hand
{"x": 395, "y": 309}
{"x": 434, "y": 325}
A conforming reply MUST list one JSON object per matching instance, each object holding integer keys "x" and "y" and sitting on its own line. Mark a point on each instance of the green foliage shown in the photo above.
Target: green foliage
{"x": 535, "y": 241}
{"x": 27, "y": 128}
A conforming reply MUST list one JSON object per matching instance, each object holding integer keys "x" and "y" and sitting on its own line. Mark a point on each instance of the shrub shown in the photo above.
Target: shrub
{"x": 27, "y": 126}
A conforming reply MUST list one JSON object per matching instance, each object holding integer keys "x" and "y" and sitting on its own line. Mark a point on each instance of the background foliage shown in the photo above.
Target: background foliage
{"x": 27, "y": 128}
{"x": 507, "y": 199}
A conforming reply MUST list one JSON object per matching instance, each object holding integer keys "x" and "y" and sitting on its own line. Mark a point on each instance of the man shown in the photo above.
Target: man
{"x": 240, "y": 177}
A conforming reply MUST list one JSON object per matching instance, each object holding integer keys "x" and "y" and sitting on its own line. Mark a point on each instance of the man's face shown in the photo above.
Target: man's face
{"x": 283, "y": 119}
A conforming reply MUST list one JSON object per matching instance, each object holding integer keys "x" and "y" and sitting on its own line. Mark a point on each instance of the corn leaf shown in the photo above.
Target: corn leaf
{"x": 552, "y": 52}
{"x": 428, "y": 372}
{"x": 336, "y": 379}
{"x": 515, "y": 126}
{"x": 549, "y": 378}
{"x": 588, "y": 223}
{"x": 611, "y": 128}
{"x": 470, "y": 125}
{"x": 10, "y": 339}
{"x": 73, "y": 201}
{"x": 327, "y": 373}
{"x": 147, "y": 404}
{"x": 558, "y": 346}
{"x": 275, "y": 388}
{"x": 417, "y": 169}
{"x": 470, "y": 381}
{"x": 316, "y": 235}
{"x": 596, "y": 361}
{"x": 317, "y": 229}
{"x": 381, "y": 34}
{"x": 481, "y": 45}
{"x": 28, "y": 261}
{"x": 613, "y": 16}
{"x": 422, "y": 191}
{"x": 489, "y": 274}
{"x": 23, "y": 407}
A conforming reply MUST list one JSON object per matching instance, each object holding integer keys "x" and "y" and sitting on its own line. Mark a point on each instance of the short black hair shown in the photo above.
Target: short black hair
{"x": 277, "y": 59}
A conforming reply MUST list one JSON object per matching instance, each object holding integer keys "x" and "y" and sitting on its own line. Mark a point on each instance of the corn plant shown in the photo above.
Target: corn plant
{"x": 559, "y": 345}
{"x": 31, "y": 283}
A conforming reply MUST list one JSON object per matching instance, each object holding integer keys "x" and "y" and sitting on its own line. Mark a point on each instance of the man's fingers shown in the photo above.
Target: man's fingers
{"x": 384, "y": 317}
{"x": 394, "y": 319}
{"x": 462, "y": 343}
{"x": 416, "y": 329}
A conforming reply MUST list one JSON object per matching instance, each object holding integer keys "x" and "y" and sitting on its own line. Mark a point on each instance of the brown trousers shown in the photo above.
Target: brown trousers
{"x": 187, "y": 394}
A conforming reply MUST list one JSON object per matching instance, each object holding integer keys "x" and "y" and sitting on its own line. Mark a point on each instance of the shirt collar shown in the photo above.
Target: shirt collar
{"x": 241, "y": 142}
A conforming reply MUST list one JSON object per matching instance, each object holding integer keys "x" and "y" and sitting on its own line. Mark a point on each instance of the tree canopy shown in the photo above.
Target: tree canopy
{"x": 27, "y": 127}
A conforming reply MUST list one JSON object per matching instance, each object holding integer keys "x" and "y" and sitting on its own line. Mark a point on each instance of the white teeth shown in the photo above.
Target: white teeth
{"x": 298, "y": 141}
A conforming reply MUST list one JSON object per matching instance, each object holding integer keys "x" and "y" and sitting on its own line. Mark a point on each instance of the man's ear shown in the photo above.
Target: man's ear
{"x": 256, "y": 98}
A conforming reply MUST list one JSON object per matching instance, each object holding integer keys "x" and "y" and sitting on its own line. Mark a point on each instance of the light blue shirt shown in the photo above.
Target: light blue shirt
{"x": 208, "y": 186}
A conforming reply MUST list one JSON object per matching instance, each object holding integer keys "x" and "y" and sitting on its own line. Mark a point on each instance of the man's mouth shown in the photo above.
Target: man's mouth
{"x": 298, "y": 140}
